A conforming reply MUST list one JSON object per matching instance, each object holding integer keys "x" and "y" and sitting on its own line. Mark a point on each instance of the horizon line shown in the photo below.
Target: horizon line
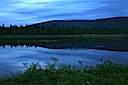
{"x": 67, "y": 20}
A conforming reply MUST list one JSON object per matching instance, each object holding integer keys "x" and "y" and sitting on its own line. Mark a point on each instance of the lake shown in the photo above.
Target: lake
{"x": 12, "y": 58}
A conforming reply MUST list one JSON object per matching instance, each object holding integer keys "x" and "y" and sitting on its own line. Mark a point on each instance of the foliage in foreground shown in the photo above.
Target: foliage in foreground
{"x": 105, "y": 74}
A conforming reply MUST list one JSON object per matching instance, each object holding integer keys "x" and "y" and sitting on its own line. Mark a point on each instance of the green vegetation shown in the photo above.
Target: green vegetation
{"x": 115, "y": 25}
{"x": 58, "y": 30}
{"x": 106, "y": 41}
{"x": 105, "y": 74}
{"x": 111, "y": 34}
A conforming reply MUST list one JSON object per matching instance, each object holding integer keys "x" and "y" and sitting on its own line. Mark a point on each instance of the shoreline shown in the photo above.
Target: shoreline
{"x": 112, "y": 42}
{"x": 85, "y": 47}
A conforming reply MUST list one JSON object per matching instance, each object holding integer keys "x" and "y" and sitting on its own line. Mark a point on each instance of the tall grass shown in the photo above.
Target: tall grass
{"x": 104, "y": 74}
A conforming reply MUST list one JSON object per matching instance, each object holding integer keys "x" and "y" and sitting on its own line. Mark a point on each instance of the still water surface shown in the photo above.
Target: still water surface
{"x": 12, "y": 59}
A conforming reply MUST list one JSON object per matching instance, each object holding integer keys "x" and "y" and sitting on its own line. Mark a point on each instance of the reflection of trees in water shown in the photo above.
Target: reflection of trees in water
{"x": 18, "y": 45}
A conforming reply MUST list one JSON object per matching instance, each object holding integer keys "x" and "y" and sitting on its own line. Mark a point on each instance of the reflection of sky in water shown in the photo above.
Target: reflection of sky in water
{"x": 11, "y": 59}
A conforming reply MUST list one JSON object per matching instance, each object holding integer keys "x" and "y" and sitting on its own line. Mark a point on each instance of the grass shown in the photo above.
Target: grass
{"x": 105, "y": 74}
{"x": 53, "y": 37}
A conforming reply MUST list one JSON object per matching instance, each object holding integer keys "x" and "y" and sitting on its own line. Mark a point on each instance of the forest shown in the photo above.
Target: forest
{"x": 110, "y": 33}
{"x": 36, "y": 30}
{"x": 65, "y": 27}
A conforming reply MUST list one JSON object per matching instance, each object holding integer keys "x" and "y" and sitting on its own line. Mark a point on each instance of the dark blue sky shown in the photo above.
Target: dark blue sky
{"x": 34, "y": 11}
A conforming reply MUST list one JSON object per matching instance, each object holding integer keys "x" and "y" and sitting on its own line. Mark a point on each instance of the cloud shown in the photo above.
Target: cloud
{"x": 34, "y": 11}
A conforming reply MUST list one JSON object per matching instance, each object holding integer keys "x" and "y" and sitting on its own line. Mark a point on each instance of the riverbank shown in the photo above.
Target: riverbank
{"x": 105, "y": 74}
{"x": 116, "y": 42}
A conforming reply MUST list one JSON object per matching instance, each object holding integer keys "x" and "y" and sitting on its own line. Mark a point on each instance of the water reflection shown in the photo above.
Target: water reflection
{"x": 12, "y": 58}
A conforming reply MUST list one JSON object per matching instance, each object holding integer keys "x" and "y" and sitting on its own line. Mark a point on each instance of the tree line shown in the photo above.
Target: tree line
{"x": 55, "y": 29}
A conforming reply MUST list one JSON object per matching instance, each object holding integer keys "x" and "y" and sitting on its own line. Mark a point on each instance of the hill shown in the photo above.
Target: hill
{"x": 116, "y": 22}
{"x": 116, "y": 25}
